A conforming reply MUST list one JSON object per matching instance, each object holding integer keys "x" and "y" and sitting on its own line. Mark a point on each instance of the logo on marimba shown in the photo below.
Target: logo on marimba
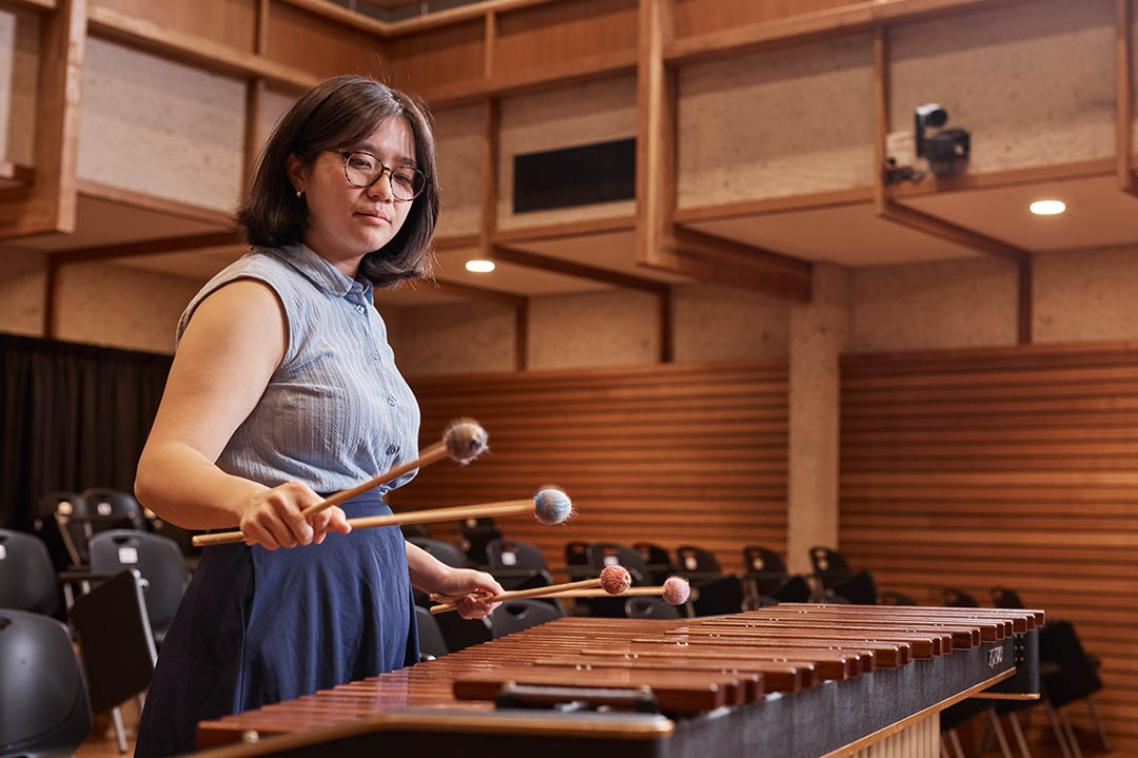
{"x": 995, "y": 657}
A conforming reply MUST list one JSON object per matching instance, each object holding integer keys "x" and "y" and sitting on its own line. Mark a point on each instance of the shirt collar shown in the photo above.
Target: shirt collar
{"x": 322, "y": 273}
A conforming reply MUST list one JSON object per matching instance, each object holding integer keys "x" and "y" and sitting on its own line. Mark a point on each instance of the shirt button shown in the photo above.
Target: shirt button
{"x": 361, "y": 309}
{"x": 391, "y": 400}
{"x": 392, "y": 449}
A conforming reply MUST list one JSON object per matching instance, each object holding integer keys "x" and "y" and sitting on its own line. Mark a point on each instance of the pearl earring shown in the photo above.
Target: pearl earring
{"x": 300, "y": 193}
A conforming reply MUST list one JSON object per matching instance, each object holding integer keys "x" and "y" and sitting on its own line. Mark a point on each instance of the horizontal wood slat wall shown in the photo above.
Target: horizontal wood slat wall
{"x": 690, "y": 454}
{"x": 1015, "y": 467}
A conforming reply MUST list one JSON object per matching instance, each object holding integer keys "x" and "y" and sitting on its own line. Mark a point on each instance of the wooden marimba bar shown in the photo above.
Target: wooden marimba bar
{"x": 788, "y": 680}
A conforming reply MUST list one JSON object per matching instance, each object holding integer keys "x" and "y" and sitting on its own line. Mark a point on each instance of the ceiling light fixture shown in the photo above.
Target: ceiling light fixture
{"x": 1047, "y": 207}
{"x": 479, "y": 266}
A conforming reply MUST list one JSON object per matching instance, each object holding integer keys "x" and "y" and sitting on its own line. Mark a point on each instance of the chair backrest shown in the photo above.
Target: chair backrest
{"x": 953, "y": 598}
{"x": 111, "y": 504}
{"x": 830, "y": 565}
{"x": 443, "y": 551}
{"x": 115, "y": 640}
{"x": 718, "y": 596}
{"x": 431, "y": 640}
{"x": 653, "y": 554}
{"x": 649, "y": 608}
{"x": 477, "y": 533}
{"x": 696, "y": 560}
{"x": 759, "y": 559}
{"x": 43, "y": 698}
{"x": 27, "y": 576}
{"x": 1005, "y": 597}
{"x": 514, "y": 555}
{"x": 603, "y": 554}
{"x": 577, "y": 560}
{"x": 47, "y": 528}
{"x": 158, "y": 559}
{"x": 516, "y": 615}
{"x": 1077, "y": 675}
{"x": 461, "y": 633}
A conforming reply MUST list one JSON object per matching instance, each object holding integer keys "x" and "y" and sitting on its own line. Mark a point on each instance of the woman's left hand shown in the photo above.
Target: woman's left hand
{"x": 474, "y": 587}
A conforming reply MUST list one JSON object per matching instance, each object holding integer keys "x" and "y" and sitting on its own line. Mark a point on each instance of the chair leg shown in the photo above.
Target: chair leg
{"x": 1098, "y": 724}
{"x": 954, "y": 740}
{"x": 1076, "y": 751}
{"x": 1057, "y": 728}
{"x": 120, "y": 731}
{"x": 999, "y": 730}
{"x": 1017, "y": 730}
{"x": 944, "y": 749}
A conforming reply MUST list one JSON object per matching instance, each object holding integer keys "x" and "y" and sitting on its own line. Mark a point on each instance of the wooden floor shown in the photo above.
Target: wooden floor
{"x": 102, "y": 743}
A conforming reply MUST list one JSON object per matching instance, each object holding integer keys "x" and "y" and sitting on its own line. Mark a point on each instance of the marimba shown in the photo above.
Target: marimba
{"x": 788, "y": 680}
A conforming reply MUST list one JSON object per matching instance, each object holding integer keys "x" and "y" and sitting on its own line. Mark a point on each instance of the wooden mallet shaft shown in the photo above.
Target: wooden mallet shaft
{"x": 535, "y": 592}
{"x": 456, "y": 513}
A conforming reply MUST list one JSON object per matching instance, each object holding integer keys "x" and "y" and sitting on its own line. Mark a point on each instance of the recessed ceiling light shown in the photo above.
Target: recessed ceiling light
{"x": 1047, "y": 207}
{"x": 479, "y": 266}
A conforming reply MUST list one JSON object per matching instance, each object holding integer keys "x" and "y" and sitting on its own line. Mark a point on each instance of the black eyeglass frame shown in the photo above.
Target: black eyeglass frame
{"x": 383, "y": 169}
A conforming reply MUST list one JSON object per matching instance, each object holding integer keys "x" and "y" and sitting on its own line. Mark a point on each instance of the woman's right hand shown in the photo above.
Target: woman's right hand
{"x": 272, "y": 518}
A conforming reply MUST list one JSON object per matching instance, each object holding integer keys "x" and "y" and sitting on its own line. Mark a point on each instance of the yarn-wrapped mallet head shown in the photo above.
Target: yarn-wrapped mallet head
{"x": 551, "y": 506}
{"x": 615, "y": 580}
{"x": 676, "y": 590}
{"x": 465, "y": 440}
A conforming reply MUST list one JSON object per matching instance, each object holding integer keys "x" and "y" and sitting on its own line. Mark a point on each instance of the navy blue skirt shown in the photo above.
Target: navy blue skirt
{"x": 257, "y": 627}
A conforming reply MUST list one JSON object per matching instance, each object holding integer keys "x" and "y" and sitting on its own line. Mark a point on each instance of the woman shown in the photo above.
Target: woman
{"x": 284, "y": 388}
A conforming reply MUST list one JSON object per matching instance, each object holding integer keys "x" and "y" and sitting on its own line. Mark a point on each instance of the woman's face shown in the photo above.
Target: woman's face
{"x": 344, "y": 221}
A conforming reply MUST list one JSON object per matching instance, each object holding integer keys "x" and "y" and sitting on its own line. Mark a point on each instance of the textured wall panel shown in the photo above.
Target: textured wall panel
{"x": 713, "y": 323}
{"x": 459, "y": 140}
{"x": 691, "y": 454}
{"x": 1033, "y": 82}
{"x": 777, "y": 123}
{"x": 22, "y": 278}
{"x": 609, "y": 328}
{"x": 154, "y": 126}
{"x": 564, "y": 117}
{"x": 933, "y": 305}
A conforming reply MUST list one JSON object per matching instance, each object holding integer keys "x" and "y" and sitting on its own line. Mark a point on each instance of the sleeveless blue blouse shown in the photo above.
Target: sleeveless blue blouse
{"x": 337, "y": 411}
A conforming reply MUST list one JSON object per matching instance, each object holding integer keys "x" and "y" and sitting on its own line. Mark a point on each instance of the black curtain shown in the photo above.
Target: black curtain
{"x": 73, "y": 416}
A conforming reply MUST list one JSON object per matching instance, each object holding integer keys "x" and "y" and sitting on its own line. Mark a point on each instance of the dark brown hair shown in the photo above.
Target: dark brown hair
{"x": 338, "y": 112}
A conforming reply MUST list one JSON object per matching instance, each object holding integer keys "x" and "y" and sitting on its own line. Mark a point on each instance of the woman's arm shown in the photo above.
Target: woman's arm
{"x": 432, "y": 575}
{"x": 226, "y": 357}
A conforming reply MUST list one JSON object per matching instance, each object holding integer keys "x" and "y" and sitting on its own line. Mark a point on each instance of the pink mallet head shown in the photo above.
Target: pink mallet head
{"x": 676, "y": 591}
{"x": 615, "y": 580}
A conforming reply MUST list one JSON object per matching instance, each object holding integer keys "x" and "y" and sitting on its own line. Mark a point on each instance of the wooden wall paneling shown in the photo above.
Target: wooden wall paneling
{"x": 676, "y": 454}
{"x": 254, "y": 95}
{"x": 321, "y": 46}
{"x": 1010, "y": 467}
{"x": 1124, "y": 96}
{"x": 446, "y": 58}
{"x": 559, "y": 33}
{"x": 227, "y": 22}
{"x": 49, "y": 204}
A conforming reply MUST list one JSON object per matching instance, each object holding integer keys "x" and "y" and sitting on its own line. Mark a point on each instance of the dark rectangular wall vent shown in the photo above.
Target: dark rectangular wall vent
{"x": 572, "y": 176}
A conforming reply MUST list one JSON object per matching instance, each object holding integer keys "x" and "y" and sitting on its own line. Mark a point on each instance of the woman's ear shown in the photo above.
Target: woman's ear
{"x": 298, "y": 174}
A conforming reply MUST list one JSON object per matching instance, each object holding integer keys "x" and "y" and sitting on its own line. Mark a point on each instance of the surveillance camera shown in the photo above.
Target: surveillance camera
{"x": 946, "y": 149}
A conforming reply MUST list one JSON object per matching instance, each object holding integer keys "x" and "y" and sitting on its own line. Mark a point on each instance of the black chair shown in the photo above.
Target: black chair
{"x": 835, "y": 575}
{"x": 414, "y": 530}
{"x": 577, "y": 561}
{"x": 695, "y": 561}
{"x": 43, "y": 699}
{"x": 714, "y": 592}
{"x": 27, "y": 577}
{"x": 158, "y": 560}
{"x": 1005, "y": 597}
{"x": 770, "y": 578}
{"x": 182, "y": 537}
{"x": 116, "y": 644}
{"x": 516, "y": 615}
{"x": 431, "y": 642}
{"x": 1073, "y": 676}
{"x": 475, "y": 536}
{"x": 443, "y": 551}
{"x": 460, "y": 633}
{"x": 658, "y": 559}
{"x": 97, "y": 509}
{"x": 649, "y": 608}
{"x": 47, "y": 528}
{"x": 954, "y": 598}
{"x": 517, "y": 565}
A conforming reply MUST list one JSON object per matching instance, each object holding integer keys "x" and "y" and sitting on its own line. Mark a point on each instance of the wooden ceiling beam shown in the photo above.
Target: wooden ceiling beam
{"x": 158, "y": 246}
{"x": 1124, "y": 98}
{"x": 470, "y": 291}
{"x": 540, "y": 262}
